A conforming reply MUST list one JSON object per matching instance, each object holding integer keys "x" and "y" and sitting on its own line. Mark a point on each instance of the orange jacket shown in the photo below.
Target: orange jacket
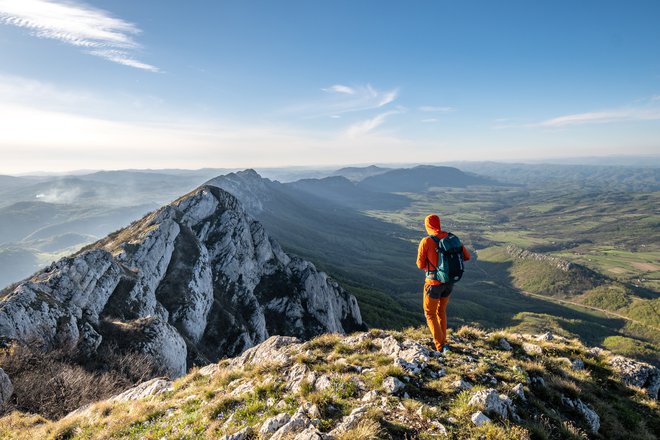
{"x": 427, "y": 257}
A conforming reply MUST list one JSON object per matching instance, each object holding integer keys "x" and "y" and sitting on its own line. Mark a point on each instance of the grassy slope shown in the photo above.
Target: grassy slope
{"x": 202, "y": 406}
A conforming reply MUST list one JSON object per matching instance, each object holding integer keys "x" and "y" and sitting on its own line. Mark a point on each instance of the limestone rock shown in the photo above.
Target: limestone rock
{"x": 209, "y": 370}
{"x": 274, "y": 423}
{"x": 462, "y": 385}
{"x": 297, "y": 375}
{"x": 298, "y": 423}
{"x": 532, "y": 349}
{"x": 639, "y": 374}
{"x": 243, "y": 434}
{"x": 197, "y": 276}
{"x": 504, "y": 345}
{"x": 350, "y": 421}
{"x": 591, "y": 417}
{"x": 492, "y": 403}
{"x": 6, "y": 387}
{"x": 311, "y": 433}
{"x": 275, "y": 349}
{"x": 479, "y": 418}
{"x": 323, "y": 383}
{"x": 392, "y": 385}
{"x": 519, "y": 391}
{"x": 146, "y": 389}
{"x": 577, "y": 364}
{"x": 547, "y": 336}
{"x": 409, "y": 355}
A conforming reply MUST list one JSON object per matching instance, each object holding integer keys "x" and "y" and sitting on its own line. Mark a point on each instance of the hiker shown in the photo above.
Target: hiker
{"x": 444, "y": 249}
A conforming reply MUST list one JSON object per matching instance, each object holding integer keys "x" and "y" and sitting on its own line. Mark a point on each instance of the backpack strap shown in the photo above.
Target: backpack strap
{"x": 438, "y": 249}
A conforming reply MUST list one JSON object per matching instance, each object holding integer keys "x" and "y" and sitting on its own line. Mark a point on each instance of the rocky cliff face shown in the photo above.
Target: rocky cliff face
{"x": 195, "y": 281}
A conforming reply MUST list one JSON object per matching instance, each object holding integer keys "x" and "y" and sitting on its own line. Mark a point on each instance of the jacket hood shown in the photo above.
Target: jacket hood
{"x": 432, "y": 224}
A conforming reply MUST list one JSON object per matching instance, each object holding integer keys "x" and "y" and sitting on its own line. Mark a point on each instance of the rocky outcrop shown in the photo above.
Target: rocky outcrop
{"x": 6, "y": 388}
{"x": 352, "y": 390}
{"x": 638, "y": 374}
{"x": 490, "y": 402}
{"x": 195, "y": 281}
{"x": 590, "y": 416}
{"x": 575, "y": 278}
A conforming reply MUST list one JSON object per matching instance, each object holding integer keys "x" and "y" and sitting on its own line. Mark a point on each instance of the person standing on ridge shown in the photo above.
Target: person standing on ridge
{"x": 440, "y": 255}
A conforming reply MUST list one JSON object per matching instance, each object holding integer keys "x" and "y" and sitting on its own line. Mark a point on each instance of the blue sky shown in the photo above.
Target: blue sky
{"x": 156, "y": 84}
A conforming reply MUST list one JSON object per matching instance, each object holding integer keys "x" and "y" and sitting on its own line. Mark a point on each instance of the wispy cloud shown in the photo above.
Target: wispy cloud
{"x": 603, "y": 117}
{"x": 429, "y": 120}
{"x": 338, "y": 88}
{"x": 434, "y": 109}
{"x": 340, "y": 99}
{"x": 645, "y": 109}
{"x": 361, "y": 128}
{"x": 95, "y": 30}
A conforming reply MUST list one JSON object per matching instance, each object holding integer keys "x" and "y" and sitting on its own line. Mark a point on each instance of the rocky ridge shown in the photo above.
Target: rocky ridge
{"x": 190, "y": 283}
{"x": 385, "y": 385}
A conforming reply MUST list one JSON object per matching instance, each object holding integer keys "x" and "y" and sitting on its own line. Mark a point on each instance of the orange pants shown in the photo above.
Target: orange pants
{"x": 436, "y": 318}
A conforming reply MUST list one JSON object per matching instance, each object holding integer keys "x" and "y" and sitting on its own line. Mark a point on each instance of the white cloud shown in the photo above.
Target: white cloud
{"x": 433, "y": 109}
{"x": 603, "y": 117}
{"x": 338, "y": 88}
{"x": 339, "y": 100}
{"x": 645, "y": 109}
{"x": 77, "y": 24}
{"x": 363, "y": 127}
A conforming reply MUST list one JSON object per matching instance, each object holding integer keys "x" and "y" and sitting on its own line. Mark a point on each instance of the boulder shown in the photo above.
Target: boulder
{"x": 311, "y": 433}
{"x": 392, "y": 385}
{"x": 479, "y": 418}
{"x": 639, "y": 374}
{"x": 273, "y": 424}
{"x": 490, "y": 402}
{"x": 243, "y": 434}
{"x": 350, "y": 421}
{"x": 275, "y": 349}
{"x": 146, "y": 389}
{"x": 462, "y": 385}
{"x": 504, "y": 345}
{"x": 532, "y": 349}
{"x": 547, "y": 336}
{"x": 298, "y": 423}
{"x": 409, "y": 355}
{"x": 590, "y": 416}
{"x": 297, "y": 375}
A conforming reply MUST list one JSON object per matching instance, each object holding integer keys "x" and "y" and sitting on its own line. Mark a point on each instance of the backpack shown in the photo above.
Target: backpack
{"x": 450, "y": 260}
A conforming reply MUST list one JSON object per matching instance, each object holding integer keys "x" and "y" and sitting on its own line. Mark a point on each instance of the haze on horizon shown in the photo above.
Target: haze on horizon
{"x": 237, "y": 84}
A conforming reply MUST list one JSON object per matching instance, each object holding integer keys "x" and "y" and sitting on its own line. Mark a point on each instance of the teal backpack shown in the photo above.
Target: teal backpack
{"x": 450, "y": 260}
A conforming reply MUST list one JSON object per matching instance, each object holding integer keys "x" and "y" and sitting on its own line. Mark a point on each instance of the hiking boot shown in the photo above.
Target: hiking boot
{"x": 446, "y": 349}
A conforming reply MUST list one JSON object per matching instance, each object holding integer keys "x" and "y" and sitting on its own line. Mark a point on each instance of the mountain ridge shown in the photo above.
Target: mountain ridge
{"x": 194, "y": 281}
{"x": 383, "y": 385}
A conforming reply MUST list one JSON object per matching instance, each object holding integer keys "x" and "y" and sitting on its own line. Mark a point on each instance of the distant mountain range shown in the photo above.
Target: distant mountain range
{"x": 422, "y": 178}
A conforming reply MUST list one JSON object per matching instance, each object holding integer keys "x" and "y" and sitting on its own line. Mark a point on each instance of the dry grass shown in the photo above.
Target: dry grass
{"x": 367, "y": 429}
{"x": 52, "y": 383}
{"x": 470, "y": 333}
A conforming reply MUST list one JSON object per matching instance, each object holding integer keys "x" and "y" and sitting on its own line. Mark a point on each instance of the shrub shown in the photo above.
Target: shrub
{"x": 54, "y": 383}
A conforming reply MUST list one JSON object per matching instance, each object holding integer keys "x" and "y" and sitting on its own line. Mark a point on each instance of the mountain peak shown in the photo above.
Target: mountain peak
{"x": 194, "y": 281}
